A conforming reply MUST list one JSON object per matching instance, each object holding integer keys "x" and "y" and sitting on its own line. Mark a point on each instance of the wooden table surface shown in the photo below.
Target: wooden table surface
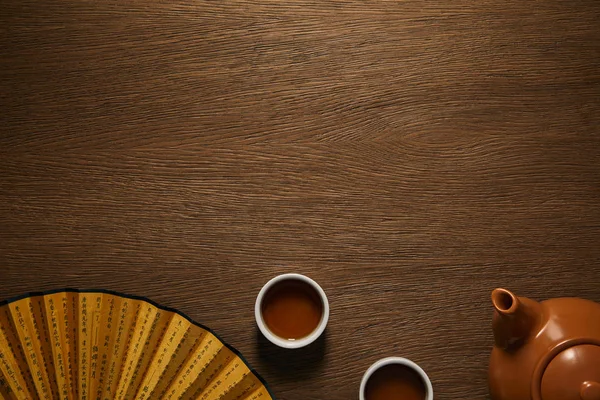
{"x": 410, "y": 156}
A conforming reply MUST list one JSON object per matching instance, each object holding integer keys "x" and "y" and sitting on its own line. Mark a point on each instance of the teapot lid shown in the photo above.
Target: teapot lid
{"x": 572, "y": 374}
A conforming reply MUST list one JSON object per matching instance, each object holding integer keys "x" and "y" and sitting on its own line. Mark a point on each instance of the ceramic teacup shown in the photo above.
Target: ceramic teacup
{"x": 291, "y": 304}
{"x": 413, "y": 368}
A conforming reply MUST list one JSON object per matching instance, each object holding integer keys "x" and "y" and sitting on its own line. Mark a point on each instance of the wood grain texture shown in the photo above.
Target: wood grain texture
{"x": 410, "y": 156}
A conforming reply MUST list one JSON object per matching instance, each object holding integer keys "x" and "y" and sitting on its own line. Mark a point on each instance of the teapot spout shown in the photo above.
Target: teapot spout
{"x": 515, "y": 319}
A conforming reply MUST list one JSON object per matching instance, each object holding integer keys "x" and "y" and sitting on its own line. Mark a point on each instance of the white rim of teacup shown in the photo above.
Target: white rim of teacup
{"x": 285, "y": 343}
{"x": 401, "y": 361}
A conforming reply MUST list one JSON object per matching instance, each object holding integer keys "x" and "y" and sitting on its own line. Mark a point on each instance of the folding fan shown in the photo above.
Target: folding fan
{"x": 103, "y": 345}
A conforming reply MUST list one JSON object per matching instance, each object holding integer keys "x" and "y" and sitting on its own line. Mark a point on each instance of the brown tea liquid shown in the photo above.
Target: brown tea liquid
{"x": 395, "y": 382}
{"x": 292, "y": 309}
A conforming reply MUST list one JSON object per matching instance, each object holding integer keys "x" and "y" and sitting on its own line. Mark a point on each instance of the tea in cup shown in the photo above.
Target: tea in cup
{"x": 291, "y": 311}
{"x": 395, "y": 378}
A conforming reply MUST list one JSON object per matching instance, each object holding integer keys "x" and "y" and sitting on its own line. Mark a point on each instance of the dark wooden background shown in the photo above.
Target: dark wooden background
{"x": 408, "y": 155}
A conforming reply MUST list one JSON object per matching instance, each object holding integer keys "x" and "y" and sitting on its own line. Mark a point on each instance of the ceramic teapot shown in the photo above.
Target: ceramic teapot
{"x": 544, "y": 351}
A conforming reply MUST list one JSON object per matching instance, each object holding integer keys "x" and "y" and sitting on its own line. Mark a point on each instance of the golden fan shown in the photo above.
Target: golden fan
{"x": 104, "y": 345}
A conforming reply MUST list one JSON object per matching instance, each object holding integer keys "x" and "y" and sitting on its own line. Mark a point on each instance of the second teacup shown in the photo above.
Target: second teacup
{"x": 395, "y": 378}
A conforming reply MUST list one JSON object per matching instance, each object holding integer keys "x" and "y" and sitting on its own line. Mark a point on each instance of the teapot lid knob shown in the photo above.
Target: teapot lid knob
{"x": 590, "y": 391}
